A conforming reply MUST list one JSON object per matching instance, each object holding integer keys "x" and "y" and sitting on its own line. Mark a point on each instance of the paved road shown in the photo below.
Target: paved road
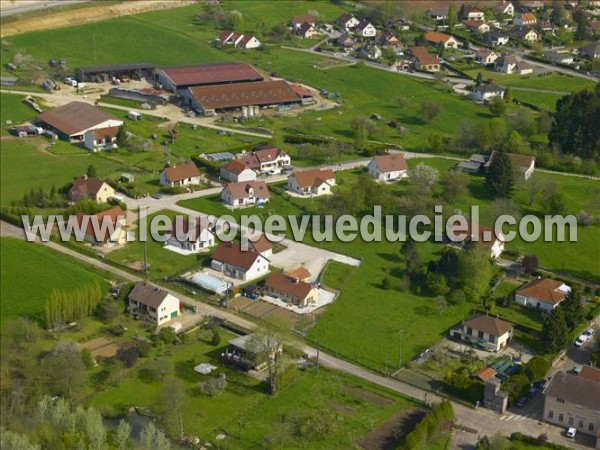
{"x": 472, "y": 422}
{"x": 9, "y": 8}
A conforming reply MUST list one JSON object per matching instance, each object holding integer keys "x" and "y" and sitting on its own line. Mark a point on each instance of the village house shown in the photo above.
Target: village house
{"x": 533, "y": 5}
{"x": 265, "y": 159}
{"x": 496, "y": 37}
{"x": 435, "y": 38}
{"x": 311, "y": 182}
{"x": 245, "y": 193}
{"x": 512, "y": 65}
{"x": 526, "y": 34}
{"x": 301, "y": 273}
{"x": 298, "y": 21}
{"x": 526, "y": 19}
{"x": 438, "y": 15}
{"x": 472, "y": 12}
{"x": 261, "y": 244}
{"x": 347, "y": 22}
{"x": 152, "y": 304}
{"x": 91, "y": 188}
{"x": 561, "y": 57}
{"x": 291, "y": 290}
{"x": 104, "y": 229}
{"x": 542, "y": 293}
{"x": 237, "y": 40}
{"x": 386, "y": 39}
{"x": 191, "y": 237}
{"x": 230, "y": 259}
{"x": 424, "y": 60}
{"x": 485, "y": 56}
{"x": 481, "y": 235}
{"x": 476, "y": 26}
{"x": 486, "y": 92}
{"x": 345, "y": 40}
{"x": 237, "y": 171}
{"x": 72, "y": 121}
{"x": 246, "y": 353}
{"x": 103, "y": 139}
{"x": 504, "y": 8}
{"x": 591, "y": 50}
{"x": 184, "y": 175}
{"x": 389, "y": 167}
{"x": 571, "y": 401}
{"x": 248, "y": 41}
{"x": 524, "y": 164}
{"x": 489, "y": 332}
{"x": 307, "y": 31}
{"x": 372, "y": 52}
{"x": 365, "y": 29}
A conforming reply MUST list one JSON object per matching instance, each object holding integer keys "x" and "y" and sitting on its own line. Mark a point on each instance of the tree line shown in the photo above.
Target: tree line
{"x": 69, "y": 306}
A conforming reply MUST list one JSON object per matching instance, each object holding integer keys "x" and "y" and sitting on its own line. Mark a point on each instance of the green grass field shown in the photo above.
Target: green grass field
{"x": 545, "y": 100}
{"x": 337, "y": 274}
{"x": 30, "y": 272}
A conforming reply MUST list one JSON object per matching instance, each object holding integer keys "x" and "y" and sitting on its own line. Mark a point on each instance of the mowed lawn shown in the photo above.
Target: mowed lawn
{"x": 349, "y": 403}
{"x": 544, "y": 100}
{"x": 30, "y": 271}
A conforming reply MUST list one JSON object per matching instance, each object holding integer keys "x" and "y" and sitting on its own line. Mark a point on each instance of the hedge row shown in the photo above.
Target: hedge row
{"x": 432, "y": 423}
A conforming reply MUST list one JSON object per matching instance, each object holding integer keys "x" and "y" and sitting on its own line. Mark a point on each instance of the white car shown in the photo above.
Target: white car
{"x": 581, "y": 339}
{"x": 571, "y": 432}
{"x": 590, "y": 332}
{"x": 274, "y": 172}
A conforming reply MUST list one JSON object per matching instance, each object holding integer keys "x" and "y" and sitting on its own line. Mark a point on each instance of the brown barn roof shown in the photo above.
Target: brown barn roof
{"x": 544, "y": 289}
{"x": 268, "y": 154}
{"x": 590, "y": 373}
{"x": 301, "y": 273}
{"x": 521, "y": 160}
{"x": 244, "y": 94}
{"x": 313, "y": 178}
{"x": 240, "y": 190}
{"x": 485, "y": 374}
{"x": 424, "y": 57}
{"x": 148, "y": 294}
{"x": 74, "y": 117}
{"x": 575, "y": 389}
{"x": 178, "y": 173}
{"x": 85, "y": 187}
{"x": 288, "y": 285}
{"x": 303, "y": 19}
{"x": 489, "y": 325}
{"x": 232, "y": 254}
{"x": 392, "y": 162}
{"x": 206, "y": 74}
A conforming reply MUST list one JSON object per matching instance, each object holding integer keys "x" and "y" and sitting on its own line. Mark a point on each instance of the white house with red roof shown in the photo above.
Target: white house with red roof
{"x": 298, "y": 21}
{"x": 542, "y": 293}
{"x": 245, "y": 193}
{"x": 104, "y": 229}
{"x": 190, "y": 237}
{"x": 237, "y": 171}
{"x": 230, "y": 259}
{"x": 347, "y": 21}
{"x": 102, "y": 139}
{"x": 311, "y": 182}
{"x": 184, "y": 175}
{"x": 388, "y": 167}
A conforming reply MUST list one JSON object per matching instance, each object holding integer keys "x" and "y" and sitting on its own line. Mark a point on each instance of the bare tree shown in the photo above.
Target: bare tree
{"x": 267, "y": 345}
{"x": 423, "y": 178}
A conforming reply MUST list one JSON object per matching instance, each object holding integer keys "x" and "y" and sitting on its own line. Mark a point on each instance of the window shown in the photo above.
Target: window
{"x": 469, "y": 331}
{"x": 591, "y": 427}
{"x": 561, "y": 417}
{"x": 550, "y": 414}
{"x": 492, "y": 339}
{"x": 570, "y": 421}
{"x": 580, "y": 423}
{"x": 480, "y": 334}
{"x": 560, "y": 400}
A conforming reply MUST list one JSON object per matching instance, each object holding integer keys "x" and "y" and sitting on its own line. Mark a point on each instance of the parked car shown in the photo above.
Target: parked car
{"x": 540, "y": 384}
{"x": 274, "y": 172}
{"x": 286, "y": 169}
{"x": 590, "y": 332}
{"x": 577, "y": 370}
{"x": 571, "y": 432}
{"x": 582, "y": 339}
{"x": 522, "y": 401}
{"x": 157, "y": 196}
{"x": 533, "y": 392}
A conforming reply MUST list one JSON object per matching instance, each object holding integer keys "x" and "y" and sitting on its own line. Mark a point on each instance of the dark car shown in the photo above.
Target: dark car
{"x": 540, "y": 384}
{"x": 533, "y": 392}
{"x": 157, "y": 196}
{"x": 522, "y": 401}
{"x": 286, "y": 169}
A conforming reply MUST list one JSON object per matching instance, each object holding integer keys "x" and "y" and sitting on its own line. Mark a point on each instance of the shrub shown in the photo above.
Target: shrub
{"x": 214, "y": 386}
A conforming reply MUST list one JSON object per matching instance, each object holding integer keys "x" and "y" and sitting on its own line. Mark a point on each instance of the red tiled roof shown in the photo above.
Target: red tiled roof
{"x": 244, "y": 94}
{"x": 521, "y": 160}
{"x": 268, "y": 154}
{"x": 485, "y": 374}
{"x": 544, "y": 289}
{"x": 591, "y": 373}
{"x": 392, "y": 162}
{"x": 212, "y": 73}
{"x": 85, "y": 187}
{"x": 178, "y": 173}
{"x": 435, "y": 37}
{"x": 489, "y": 325}
{"x": 114, "y": 213}
{"x": 241, "y": 189}
{"x": 301, "y": 91}
{"x": 236, "y": 166}
{"x": 288, "y": 285}
{"x": 301, "y": 273}
{"x": 298, "y": 20}
{"x": 261, "y": 243}
{"x": 232, "y": 254}
{"x": 313, "y": 178}
{"x": 103, "y": 133}
{"x": 424, "y": 57}
{"x": 74, "y": 117}
{"x": 182, "y": 225}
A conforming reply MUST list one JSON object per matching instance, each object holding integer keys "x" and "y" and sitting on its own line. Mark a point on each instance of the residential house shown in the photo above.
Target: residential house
{"x": 472, "y": 12}
{"x": 191, "y": 237}
{"x": 184, "y": 175}
{"x": 102, "y": 139}
{"x": 307, "y": 31}
{"x": 477, "y": 233}
{"x": 591, "y": 50}
{"x": 439, "y": 15}
{"x": 300, "y": 273}
{"x": 245, "y": 193}
{"x": 424, "y": 60}
{"x": 71, "y": 121}
{"x": 347, "y": 21}
{"x": 291, "y": 290}
{"x": 435, "y": 38}
{"x": 104, "y": 229}
{"x": 388, "y": 167}
{"x": 237, "y": 171}
{"x": 496, "y": 37}
{"x": 524, "y": 164}
{"x": 365, "y": 29}
{"x": 504, "y": 8}
{"x": 248, "y": 353}
{"x": 90, "y": 188}
{"x": 386, "y": 39}
{"x": 526, "y": 19}
{"x": 477, "y": 26}
{"x": 265, "y": 159}
{"x": 229, "y": 38}
{"x": 512, "y": 65}
{"x": 230, "y": 259}
{"x": 526, "y": 34}
{"x": 345, "y": 40}
{"x": 489, "y": 332}
{"x": 248, "y": 41}
{"x": 486, "y": 92}
{"x": 485, "y": 56}
{"x": 152, "y": 304}
{"x": 542, "y": 293}
{"x": 311, "y": 182}
{"x": 561, "y": 57}
{"x": 533, "y": 5}
{"x": 571, "y": 401}
{"x": 298, "y": 21}
{"x": 469, "y": 167}
{"x": 372, "y": 52}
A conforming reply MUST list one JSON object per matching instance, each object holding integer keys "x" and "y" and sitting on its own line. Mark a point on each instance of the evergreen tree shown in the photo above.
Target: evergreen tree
{"x": 91, "y": 171}
{"x": 555, "y": 330}
{"x": 452, "y": 17}
{"x": 479, "y": 79}
{"x": 572, "y": 309}
{"x": 500, "y": 177}
{"x": 122, "y": 137}
{"x": 508, "y": 95}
